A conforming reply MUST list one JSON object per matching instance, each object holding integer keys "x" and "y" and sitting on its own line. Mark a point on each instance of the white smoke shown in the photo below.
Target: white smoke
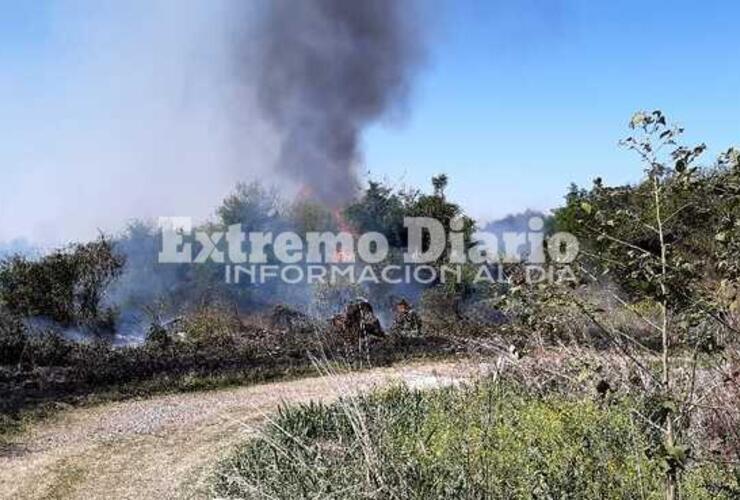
{"x": 146, "y": 108}
{"x": 124, "y": 110}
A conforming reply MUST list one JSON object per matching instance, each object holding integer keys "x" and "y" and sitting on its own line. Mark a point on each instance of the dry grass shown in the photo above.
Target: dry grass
{"x": 164, "y": 447}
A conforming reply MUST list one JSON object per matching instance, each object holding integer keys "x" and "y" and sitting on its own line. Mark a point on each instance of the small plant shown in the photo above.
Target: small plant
{"x": 493, "y": 440}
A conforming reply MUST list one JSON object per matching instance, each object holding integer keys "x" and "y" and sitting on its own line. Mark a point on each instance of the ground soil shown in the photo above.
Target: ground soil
{"x": 166, "y": 447}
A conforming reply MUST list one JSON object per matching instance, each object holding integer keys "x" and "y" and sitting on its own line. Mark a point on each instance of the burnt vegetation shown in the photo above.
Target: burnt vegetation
{"x": 645, "y": 336}
{"x": 107, "y": 317}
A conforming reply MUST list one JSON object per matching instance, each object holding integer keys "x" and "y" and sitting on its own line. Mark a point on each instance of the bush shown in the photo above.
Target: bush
{"x": 213, "y": 326}
{"x": 66, "y": 286}
{"x": 19, "y": 345}
{"x": 490, "y": 441}
{"x": 12, "y": 338}
{"x": 47, "y": 348}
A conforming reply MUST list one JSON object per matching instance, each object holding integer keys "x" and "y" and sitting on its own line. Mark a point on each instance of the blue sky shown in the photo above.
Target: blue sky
{"x": 521, "y": 98}
{"x": 517, "y": 99}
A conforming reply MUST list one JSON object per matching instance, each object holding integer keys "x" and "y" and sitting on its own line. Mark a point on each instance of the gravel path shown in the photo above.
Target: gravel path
{"x": 164, "y": 447}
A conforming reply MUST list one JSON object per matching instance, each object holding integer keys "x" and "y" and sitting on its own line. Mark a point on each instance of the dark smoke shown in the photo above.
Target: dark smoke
{"x": 327, "y": 69}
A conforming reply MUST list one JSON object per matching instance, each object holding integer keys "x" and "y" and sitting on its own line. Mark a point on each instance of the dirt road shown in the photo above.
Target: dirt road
{"x": 165, "y": 447}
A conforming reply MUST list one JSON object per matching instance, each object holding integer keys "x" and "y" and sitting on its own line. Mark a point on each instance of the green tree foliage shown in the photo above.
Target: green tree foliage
{"x": 438, "y": 206}
{"x": 700, "y": 223}
{"x": 66, "y": 286}
{"x": 251, "y": 205}
{"x": 381, "y": 210}
{"x": 306, "y": 216}
{"x": 670, "y": 240}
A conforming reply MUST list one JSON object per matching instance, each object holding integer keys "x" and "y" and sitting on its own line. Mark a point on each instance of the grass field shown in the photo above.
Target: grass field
{"x": 491, "y": 440}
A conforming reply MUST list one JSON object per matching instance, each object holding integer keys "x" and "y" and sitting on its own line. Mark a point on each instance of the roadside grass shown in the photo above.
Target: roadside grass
{"x": 495, "y": 439}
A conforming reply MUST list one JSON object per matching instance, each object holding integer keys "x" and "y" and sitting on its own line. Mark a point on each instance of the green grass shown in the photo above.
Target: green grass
{"x": 490, "y": 441}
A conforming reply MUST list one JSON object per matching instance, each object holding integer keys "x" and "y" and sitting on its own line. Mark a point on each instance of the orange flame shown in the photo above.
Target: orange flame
{"x": 343, "y": 255}
{"x": 306, "y": 193}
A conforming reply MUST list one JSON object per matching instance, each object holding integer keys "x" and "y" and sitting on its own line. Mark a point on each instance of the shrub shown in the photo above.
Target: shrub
{"x": 12, "y": 338}
{"x": 158, "y": 337}
{"x": 47, "y": 348}
{"x": 31, "y": 347}
{"x": 65, "y": 286}
{"x": 211, "y": 326}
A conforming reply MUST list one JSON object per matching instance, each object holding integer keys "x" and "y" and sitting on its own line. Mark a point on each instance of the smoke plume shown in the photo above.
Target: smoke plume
{"x": 124, "y": 110}
{"x": 326, "y": 70}
{"x": 114, "y": 111}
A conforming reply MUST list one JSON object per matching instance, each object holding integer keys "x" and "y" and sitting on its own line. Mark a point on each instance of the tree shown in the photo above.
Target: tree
{"x": 251, "y": 205}
{"x": 66, "y": 286}
{"x": 670, "y": 240}
{"x": 306, "y": 216}
{"x": 379, "y": 210}
{"x": 449, "y": 214}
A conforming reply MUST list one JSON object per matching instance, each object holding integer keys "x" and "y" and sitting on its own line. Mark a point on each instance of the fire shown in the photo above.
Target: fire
{"x": 305, "y": 192}
{"x": 341, "y": 255}
{"x": 344, "y": 254}
{"x": 342, "y": 223}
